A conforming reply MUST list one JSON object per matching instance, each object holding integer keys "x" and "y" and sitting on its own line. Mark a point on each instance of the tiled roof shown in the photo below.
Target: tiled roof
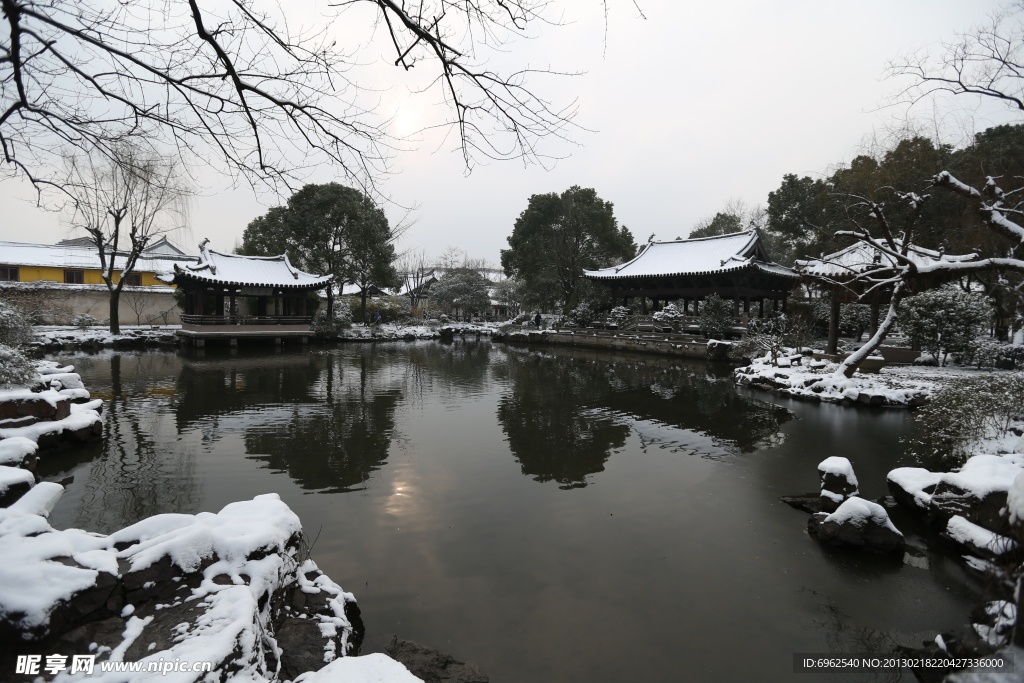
{"x": 860, "y": 257}
{"x": 259, "y": 271}
{"x": 76, "y": 257}
{"x": 701, "y": 256}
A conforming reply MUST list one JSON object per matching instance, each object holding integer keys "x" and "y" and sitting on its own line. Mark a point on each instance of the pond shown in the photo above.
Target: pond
{"x": 550, "y": 515}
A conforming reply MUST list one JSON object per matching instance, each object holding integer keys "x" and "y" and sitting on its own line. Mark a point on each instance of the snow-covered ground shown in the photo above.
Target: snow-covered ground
{"x": 803, "y": 377}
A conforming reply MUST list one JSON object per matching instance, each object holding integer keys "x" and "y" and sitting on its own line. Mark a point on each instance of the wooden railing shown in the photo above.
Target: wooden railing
{"x": 245, "y": 319}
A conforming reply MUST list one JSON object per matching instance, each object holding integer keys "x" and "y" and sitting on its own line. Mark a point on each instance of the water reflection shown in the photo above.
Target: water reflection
{"x": 130, "y": 476}
{"x": 568, "y": 411}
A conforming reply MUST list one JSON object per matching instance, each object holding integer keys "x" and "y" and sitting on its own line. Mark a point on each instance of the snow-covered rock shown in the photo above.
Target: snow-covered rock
{"x": 210, "y": 587}
{"x": 373, "y": 668}
{"x": 859, "y": 523}
{"x": 912, "y": 487}
{"x": 14, "y": 482}
{"x": 978, "y": 491}
{"x": 838, "y": 482}
{"x": 978, "y": 540}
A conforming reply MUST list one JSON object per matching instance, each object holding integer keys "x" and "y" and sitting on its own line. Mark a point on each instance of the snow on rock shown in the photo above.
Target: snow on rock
{"x": 83, "y": 423}
{"x": 16, "y": 450}
{"x": 978, "y": 491}
{"x": 39, "y": 500}
{"x": 14, "y": 482}
{"x": 838, "y": 482}
{"x": 818, "y": 383}
{"x": 374, "y": 668}
{"x": 1015, "y": 500}
{"x": 912, "y": 486}
{"x": 994, "y": 621}
{"x": 859, "y": 523}
{"x": 231, "y": 588}
{"x": 977, "y": 539}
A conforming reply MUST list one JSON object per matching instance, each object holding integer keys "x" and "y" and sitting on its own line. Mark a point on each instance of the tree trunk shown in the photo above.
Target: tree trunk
{"x": 362, "y": 297}
{"x": 849, "y": 366}
{"x": 330, "y": 301}
{"x": 115, "y": 304}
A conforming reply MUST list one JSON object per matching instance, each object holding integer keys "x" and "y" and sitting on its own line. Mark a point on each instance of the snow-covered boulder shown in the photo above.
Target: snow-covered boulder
{"x": 912, "y": 487}
{"x": 978, "y": 540}
{"x": 978, "y": 491}
{"x": 14, "y": 483}
{"x": 838, "y": 482}
{"x": 859, "y": 523}
{"x": 373, "y": 668}
{"x": 230, "y": 588}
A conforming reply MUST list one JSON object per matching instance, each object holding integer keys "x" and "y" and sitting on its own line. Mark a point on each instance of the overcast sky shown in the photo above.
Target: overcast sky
{"x": 694, "y": 105}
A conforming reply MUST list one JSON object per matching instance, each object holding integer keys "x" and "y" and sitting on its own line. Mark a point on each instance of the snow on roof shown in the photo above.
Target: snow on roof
{"x": 704, "y": 255}
{"x": 259, "y": 271}
{"x": 70, "y": 256}
{"x": 861, "y": 256}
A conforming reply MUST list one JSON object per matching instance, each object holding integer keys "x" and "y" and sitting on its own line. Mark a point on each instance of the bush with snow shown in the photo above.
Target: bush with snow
{"x": 765, "y": 337}
{"x": 15, "y": 369}
{"x": 583, "y": 315}
{"x": 326, "y": 328}
{"x": 15, "y": 327}
{"x": 670, "y": 315}
{"x": 83, "y": 320}
{"x": 715, "y": 317}
{"x": 619, "y": 313}
{"x": 945, "y": 320}
{"x": 964, "y": 413}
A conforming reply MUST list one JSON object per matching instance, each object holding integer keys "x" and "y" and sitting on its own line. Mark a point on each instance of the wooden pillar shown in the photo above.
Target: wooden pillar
{"x": 785, "y": 299}
{"x": 736, "y": 307}
{"x": 696, "y": 306}
{"x": 775, "y": 305}
{"x": 833, "y": 324}
{"x": 760, "y": 307}
{"x": 643, "y": 304}
{"x": 746, "y": 305}
{"x": 873, "y": 326}
{"x": 231, "y": 308}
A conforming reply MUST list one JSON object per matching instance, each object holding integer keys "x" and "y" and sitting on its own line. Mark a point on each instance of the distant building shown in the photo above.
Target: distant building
{"x": 61, "y": 281}
{"x": 734, "y": 266}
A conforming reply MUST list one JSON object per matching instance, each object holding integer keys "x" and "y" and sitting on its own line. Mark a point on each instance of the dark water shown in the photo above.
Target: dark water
{"x": 555, "y": 516}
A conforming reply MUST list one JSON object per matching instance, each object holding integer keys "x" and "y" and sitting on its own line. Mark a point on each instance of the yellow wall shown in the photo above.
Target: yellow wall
{"x": 91, "y": 276}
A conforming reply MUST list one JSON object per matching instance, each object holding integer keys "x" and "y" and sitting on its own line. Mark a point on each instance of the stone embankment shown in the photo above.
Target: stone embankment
{"x": 671, "y": 345}
{"x": 51, "y": 339}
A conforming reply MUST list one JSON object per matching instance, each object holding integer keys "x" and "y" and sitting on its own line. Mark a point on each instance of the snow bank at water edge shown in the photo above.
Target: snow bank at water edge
{"x": 235, "y": 588}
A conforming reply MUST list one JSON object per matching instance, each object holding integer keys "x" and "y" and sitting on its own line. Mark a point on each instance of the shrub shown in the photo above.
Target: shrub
{"x": 15, "y": 369}
{"x": 944, "y": 321}
{"x": 619, "y": 313}
{"x": 670, "y": 315}
{"x": 83, "y": 320}
{"x": 15, "y": 327}
{"x": 764, "y": 337}
{"x": 962, "y": 414}
{"x": 329, "y": 329}
{"x": 583, "y": 315}
{"x": 715, "y": 317}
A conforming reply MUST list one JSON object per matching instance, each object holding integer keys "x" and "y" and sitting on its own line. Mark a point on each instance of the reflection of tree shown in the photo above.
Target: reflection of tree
{"x": 550, "y": 428}
{"x": 567, "y": 409}
{"x": 337, "y": 443}
{"x": 133, "y": 474}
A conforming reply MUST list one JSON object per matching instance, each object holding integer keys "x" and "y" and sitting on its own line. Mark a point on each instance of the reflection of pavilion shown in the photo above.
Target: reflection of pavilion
{"x": 227, "y": 295}
{"x": 565, "y": 413}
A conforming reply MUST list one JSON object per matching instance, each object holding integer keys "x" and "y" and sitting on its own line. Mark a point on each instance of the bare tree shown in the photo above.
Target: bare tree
{"x": 987, "y": 61}
{"x": 234, "y": 85}
{"x": 898, "y": 264}
{"x": 416, "y": 273}
{"x": 123, "y": 204}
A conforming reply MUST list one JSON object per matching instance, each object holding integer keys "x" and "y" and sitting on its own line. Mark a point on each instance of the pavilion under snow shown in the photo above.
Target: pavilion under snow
{"x": 260, "y": 292}
{"x": 734, "y": 266}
